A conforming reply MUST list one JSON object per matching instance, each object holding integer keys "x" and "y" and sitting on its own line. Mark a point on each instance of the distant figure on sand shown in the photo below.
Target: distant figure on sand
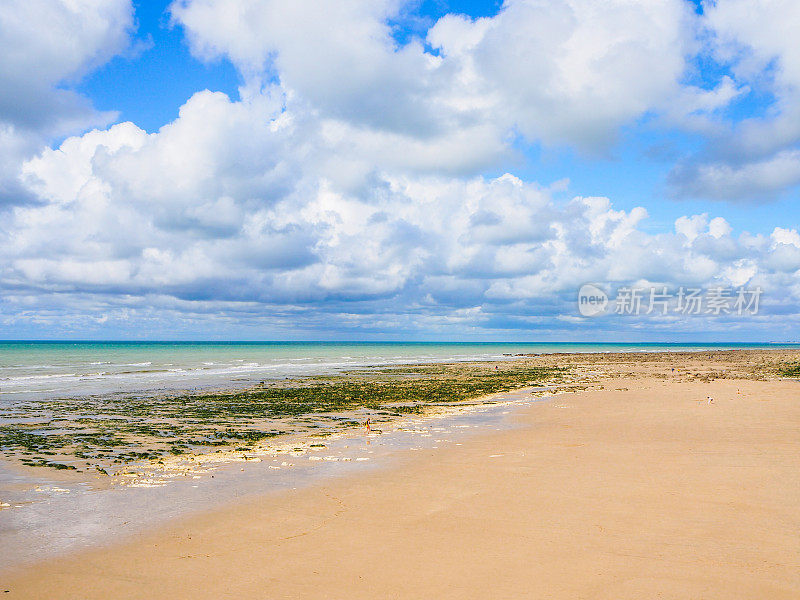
{"x": 366, "y": 424}
{"x": 710, "y": 400}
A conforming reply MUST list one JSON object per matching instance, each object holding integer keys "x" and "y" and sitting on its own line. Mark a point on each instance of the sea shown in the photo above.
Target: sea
{"x": 36, "y": 370}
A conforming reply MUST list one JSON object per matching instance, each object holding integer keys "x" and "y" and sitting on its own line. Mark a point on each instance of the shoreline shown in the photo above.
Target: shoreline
{"x": 118, "y": 437}
{"x": 211, "y": 481}
{"x": 97, "y": 374}
{"x": 230, "y": 419}
{"x": 644, "y": 419}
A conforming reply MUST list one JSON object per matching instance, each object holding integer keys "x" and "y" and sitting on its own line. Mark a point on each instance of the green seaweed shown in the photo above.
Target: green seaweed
{"x": 121, "y": 429}
{"x": 789, "y": 370}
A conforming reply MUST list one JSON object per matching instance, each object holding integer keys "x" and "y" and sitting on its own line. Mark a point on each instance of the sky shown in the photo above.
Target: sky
{"x": 397, "y": 170}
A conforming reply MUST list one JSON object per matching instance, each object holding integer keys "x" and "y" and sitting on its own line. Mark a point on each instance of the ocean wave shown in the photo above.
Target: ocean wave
{"x": 3, "y": 367}
{"x": 196, "y": 371}
{"x": 31, "y": 377}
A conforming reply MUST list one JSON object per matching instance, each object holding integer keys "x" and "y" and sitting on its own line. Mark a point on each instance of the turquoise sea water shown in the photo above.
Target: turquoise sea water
{"x": 31, "y": 370}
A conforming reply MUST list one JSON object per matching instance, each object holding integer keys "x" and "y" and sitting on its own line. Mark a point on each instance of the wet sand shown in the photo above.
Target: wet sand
{"x": 641, "y": 489}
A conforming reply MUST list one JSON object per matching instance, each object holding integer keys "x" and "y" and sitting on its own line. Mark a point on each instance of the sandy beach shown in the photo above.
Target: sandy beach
{"x": 638, "y": 488}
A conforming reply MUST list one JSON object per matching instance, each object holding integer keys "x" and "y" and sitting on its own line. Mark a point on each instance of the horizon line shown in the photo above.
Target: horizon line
{"x": 346, "y": 341}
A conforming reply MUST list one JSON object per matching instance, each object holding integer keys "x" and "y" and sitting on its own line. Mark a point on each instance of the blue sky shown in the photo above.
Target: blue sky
{"x": 148, "y": 85}
{"x": 393, "y": 170}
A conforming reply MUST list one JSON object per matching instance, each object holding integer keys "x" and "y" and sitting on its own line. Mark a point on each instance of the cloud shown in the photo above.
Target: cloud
{"x": 338, "y": 56}
{"x": 234, "y": 207}
{"x": 755, "y": 34}
{"x": 48, "y": 45}
{"x": 756, "y": 158}
{"x": 759, "y": 179}
{"x": 572, "y": 71}
{"x": 565, "y": 72}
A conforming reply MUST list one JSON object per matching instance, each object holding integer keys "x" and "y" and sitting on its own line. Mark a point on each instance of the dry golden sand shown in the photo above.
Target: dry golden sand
{"x": 639, "y": 490}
